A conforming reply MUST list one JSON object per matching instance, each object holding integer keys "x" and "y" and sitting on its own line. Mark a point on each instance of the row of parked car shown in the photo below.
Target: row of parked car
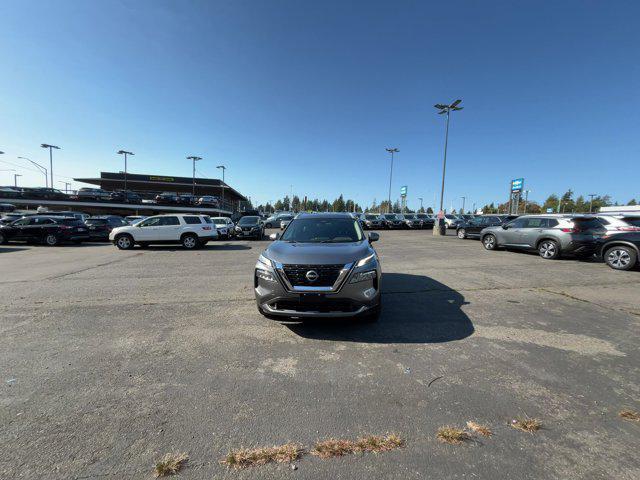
{"x": 191, "y": 230}
{"x": 120, "y": 196}
{"x": 616, "y": 238}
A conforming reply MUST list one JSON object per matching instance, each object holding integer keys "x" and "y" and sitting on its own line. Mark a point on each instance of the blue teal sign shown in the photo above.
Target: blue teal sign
{"x": 517, "y": 185}
{"x": 403, "y": 191}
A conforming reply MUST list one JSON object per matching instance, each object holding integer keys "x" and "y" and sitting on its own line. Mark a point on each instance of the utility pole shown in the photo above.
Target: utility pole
{"x": 420, "y": 198}
{"x": 195, "y": 159}
{"x": 125, "y": 153}
{"x": 42, "y": 170}
{"x": 66, "y": 186}
{"x": 391, "y": 151}
{"x": 591, "y": 195}
{"x": 223, "y": 168}
{"x": 50, "y": 147}
{"x": 444, "y": 109}
{"x": 526, "y": 200}
{"x": 15, "y": 179}
{"x": 463, "y": 200}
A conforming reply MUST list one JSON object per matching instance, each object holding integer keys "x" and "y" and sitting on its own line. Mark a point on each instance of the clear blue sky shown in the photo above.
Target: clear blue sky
{"x": 309, "y": 93}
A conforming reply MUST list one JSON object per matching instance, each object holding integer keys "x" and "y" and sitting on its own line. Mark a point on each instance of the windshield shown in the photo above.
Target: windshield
{"x": 390, "y": 217}
{"x": 449, "y": 216}
{"x": 410, "y": 217}
{"x": 219, "y": 221}
{"x": 248, "y": 221}
{"x": 286, "y": 218}
{"x": 96, "y": 221}
{"x": 371, "y": 217}
{"x": 323, "y": 230}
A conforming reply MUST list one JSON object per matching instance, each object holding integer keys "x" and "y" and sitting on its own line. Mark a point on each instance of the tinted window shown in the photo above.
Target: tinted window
{"x": 22, "y": 221}
{"x": 150, "y": 222}
{"x": 633, "y": 221}
{"x": 370, "y": 217}
{"x": 587, "y": 223}
{"x": 323, "y": 230}
{"x": 390, "y": 217}
{"x": 168, "y": 221}
{"x": 207, "y": 220}
{"x": 535, "y": 223}
{"x": 251, "y": 220}
{"x": 552, "y": 222}
{"x": 519, "y": 223}
{"x": 192, "y": 220}
{"x": 42, "y": 221}
{"x": 604, "y": 221}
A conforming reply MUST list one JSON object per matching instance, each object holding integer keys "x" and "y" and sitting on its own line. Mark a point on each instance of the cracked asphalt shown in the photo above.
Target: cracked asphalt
{"x": 110, "y": 359}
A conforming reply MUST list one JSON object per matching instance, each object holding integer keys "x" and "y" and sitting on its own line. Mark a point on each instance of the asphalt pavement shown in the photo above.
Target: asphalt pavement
{"x": 112, "y": 358}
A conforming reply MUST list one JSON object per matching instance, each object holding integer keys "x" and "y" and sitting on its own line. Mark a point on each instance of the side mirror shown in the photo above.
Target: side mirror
{"x": 505, "y": 226}
{"x": 274, "y": 236}
{"x": 374, "y": 237}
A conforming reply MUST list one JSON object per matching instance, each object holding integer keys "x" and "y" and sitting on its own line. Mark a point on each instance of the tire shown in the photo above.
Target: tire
{"x": 124, "y": 242}
{"x": 51, "y": 240}
{"x": 549, "y": 249}
{"x": 3, "y": 239}
{"x": 268, "y": 225}
{"x": 77, "y": 242}
{"x": 621, "y": 257}
{"x": 490, "y": 242}
{"x": 203, "y": 243}
{"x": 190, "y": 241}
{"x": 462, "y": 234}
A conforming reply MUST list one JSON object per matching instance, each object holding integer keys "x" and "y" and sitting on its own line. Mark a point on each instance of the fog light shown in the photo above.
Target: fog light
{"x": 369, "y": 292}
{"x": 265, "y": 275}
{"x": 363, "y": 276}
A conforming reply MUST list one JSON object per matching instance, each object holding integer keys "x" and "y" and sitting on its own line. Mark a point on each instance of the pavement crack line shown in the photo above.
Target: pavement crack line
{"x": 589, "y": 302}
{"x": 112, "y": 262}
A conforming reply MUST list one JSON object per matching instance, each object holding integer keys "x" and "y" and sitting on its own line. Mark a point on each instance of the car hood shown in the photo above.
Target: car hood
{"x": 318, "y": 253}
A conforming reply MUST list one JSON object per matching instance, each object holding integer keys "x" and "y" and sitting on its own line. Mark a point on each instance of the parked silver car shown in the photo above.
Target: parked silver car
{"x": 322, "y": 266}
{"x": 551, "y": 236}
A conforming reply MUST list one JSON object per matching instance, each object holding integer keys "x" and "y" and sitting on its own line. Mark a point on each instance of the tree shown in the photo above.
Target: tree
{"x": 632, "y": 202}
{"x": 339, "y": 205}
{"x": 552, "y": 202}
{"x": 430, "y": 210}
{"x": 295, "y": 203}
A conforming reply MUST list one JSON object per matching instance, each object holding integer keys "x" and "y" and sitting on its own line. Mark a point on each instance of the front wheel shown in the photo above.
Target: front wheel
{"x": 125, "y": 242}
{"x": 462, "y": 234}
{"x": 3, "y": 239}
{"x": 621, "y": 258}
{"x": 549, "y": 250}
{"x": 490, "y": 242}
{"x": 190, "y": 241}
{"x": 268, "y": 225}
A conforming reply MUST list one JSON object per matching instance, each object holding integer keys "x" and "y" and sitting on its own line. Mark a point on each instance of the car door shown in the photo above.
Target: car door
{"x": 147, "y": 229}
{"x": 169, "y": 229}
{"x": 19, "y": 229}
{"x": 474, "y": 226}
{"x": 531, "y": 230}
{"x": 512, "y": 231}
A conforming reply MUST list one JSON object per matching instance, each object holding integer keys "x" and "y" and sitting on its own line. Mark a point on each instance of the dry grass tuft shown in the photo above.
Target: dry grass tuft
{"x": 630, "y": 415}
{"x": 243, "y": 457}
{"x": 170, "y": 464}
{"x": 370, "y": 443}
{"x": 478, "y": 428}
{"x": 529, "y": 425}
{"x": 452, "y": 435}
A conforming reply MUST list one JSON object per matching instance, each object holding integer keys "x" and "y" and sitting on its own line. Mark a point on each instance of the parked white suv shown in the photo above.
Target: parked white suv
{"x": 192, "y": 231}
{"x": 224, "y": 225}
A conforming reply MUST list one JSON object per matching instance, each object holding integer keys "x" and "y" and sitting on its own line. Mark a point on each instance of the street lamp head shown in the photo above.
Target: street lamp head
{"x": 222, "y": 167}
{"x": 2, "y": 153}
{"x": 392, "y": 150}
{"x": 194, "y": 158}
{"x": 122, "y": 152}
{"x": 46, "y": 145}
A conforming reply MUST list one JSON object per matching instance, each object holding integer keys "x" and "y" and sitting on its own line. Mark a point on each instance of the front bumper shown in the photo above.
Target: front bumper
{"x": 349, "y": 300}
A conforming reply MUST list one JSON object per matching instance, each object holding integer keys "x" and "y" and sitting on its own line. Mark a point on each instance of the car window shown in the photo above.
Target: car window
{"x": 633, "y": 221}
{"x": 535, "y": 223}
{"x": 552, "y": 222}
{"x": 323, "y": 230}
{"x": 95, "y": 221}
{"x": 250, "y": 220}
{"x": 192, "y": 220}
{"x": 43, "y": 221}
{"x": 150, "y": 222}
{"x": 518, "y": 223}
{"x": 587, "y": 224}
{"x": 207, "y": 220}
{"x": 169, "y": 221}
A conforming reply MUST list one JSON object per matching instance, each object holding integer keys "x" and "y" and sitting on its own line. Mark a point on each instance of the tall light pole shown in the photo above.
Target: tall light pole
{"x": 15, "y": 179}
{"x": 463, "y": 200}
{"x": 50, "y": 147}
{"x": 125, "y": 153}
{"x": 41, "y": 168}
{"x": 391, "y": 151}
{"x": 195, "y": 159}
{"x": 591, "y": 195}
{"x": 420, "y": 198}
{"x": 444, "y": 109}
{"x": 526, "y": 200}
{"x": 66, "y": 186}
{"x": 223, "y": 168}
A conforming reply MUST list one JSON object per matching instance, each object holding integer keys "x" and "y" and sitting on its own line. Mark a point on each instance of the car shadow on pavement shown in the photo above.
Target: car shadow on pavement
{"x": 210, "y": 246}
{"x": 4, "y": 249}
{"x": 415, "y": 309}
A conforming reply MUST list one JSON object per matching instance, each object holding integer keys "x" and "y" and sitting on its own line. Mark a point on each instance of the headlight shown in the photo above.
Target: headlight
{"x": 264, "y": 261}
{"x": 238, "y": 229}
{"x": 366, "y": 260}
{"x": 265, "y": 275}
{"x": 363, "y": 276}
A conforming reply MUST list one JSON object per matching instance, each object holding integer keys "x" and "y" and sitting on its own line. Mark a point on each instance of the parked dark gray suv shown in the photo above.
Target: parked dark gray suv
{"x": 323, "y": 265}
{"x": 551, "y": 236}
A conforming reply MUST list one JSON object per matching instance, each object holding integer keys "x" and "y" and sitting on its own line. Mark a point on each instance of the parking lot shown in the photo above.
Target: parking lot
{"x": 112, "y": 358}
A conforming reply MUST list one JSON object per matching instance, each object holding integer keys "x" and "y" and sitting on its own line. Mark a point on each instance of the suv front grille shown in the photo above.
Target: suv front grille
{"x": 327, "y": 275}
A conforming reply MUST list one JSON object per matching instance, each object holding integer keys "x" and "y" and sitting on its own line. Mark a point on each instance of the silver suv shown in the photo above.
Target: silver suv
{"x": 551, "y": 236}
{"x": 323, "y": 265}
